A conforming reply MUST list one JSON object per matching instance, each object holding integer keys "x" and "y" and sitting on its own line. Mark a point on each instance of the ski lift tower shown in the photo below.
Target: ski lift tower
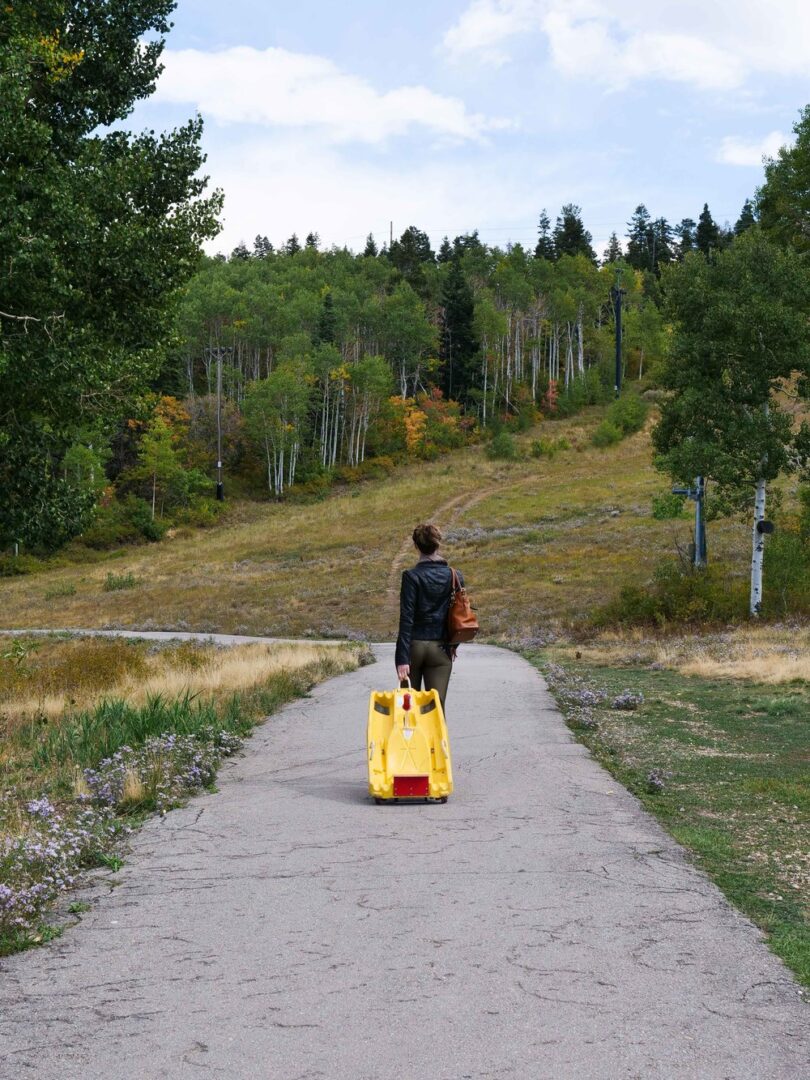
{"x": 697, "y": 494}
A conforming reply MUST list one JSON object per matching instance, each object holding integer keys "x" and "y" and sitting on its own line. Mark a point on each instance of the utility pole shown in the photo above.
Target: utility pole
{"x": 616, "y": 294}
{"x": 390, "y": 235}
{"x": 220, "y": 488}
{"x": 450, "y": 362}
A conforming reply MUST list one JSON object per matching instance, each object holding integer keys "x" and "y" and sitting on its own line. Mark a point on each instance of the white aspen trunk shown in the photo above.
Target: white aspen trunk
{"x": 580, "y": 344}
{"x": 758, "y": 549}
{"x": 569, "y": 355}
{"x": 486, "y": 375}
{"x": 154, "y": 490}
{"x": 508, "y": 367}
{"x": 325, "y": 422}
{"x": 366, "y": 422}
{"x": 758, "y": 544}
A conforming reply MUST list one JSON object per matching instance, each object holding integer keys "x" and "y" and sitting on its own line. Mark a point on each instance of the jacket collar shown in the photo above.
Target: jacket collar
{"x": 432, "y": 559}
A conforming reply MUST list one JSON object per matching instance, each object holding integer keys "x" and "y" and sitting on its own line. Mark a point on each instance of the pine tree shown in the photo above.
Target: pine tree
{"x": 411, "y": 254}
{"x": 370, "y": 250}
{"x": 240, "y": 251}
{"x": 640, "y": 239}
{"x": 613, "y": 252}
{"x": 327, "y": 321}
{"x": 663, "y": 244}
{"x": 312, "y": 241}
{"x": 685, "y": 232}
{"x": 545, "y": 244}
{"x": 445, "y": 252}
{"x": 293, "y": 246}
{"x": 570, "y": 235}
{"x": 707, "y": 234}
{"x": 459, "y": 344}
{"x": 262, "y": 247}
{"x": 468, "y": 244}
{"x": 746, "y": 219}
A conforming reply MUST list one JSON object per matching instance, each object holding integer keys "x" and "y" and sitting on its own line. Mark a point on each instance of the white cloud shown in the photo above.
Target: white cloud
{"x": 736, "y": 151}
{"x": 291, "y": 185}
{"x": 710, "y": 45}
{"x": 278, "y": 88}
{"x": 486, "y": 24}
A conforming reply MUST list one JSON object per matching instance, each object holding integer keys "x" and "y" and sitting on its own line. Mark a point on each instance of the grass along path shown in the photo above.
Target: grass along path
{"x": 723, "y": 764}
{"x": 541, "y": 541}
{"x": 95, "y": 733}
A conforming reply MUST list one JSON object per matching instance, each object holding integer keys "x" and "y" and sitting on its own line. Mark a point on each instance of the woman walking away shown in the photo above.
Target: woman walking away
{"x": 423, "y": 653}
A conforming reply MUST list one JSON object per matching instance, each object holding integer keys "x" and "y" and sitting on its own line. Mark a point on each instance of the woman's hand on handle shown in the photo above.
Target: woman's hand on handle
{"x": 403, "y": 671}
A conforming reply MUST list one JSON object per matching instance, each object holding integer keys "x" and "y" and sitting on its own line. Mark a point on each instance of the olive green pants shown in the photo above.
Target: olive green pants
{"x": 430, "y": 664}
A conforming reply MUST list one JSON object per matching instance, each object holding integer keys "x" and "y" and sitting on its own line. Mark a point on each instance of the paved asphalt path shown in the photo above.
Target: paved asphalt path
{"x": 540, "y": 925}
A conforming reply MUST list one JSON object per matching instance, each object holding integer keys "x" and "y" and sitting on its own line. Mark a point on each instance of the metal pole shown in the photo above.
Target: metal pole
{"x": 220, "y": 488}
{"x": 616, "y": 294}
{"x": 700, "y": 523}
{"x": 698, "y": 549}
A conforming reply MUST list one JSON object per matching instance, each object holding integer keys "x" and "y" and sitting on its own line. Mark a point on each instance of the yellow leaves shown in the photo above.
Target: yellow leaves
{"x": 415, "y": 421}
{"x": 174, "y": 414}
{"x": 60, "y": 63}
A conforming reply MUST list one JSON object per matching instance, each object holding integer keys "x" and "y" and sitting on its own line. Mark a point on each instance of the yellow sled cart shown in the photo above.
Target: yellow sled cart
{"x": 408, "y": 748}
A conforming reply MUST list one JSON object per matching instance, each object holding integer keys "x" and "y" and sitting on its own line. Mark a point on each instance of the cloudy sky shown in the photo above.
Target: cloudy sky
{"x": 454, "y": 115}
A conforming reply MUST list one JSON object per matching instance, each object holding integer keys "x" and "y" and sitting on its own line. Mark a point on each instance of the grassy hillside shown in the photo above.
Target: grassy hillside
{"x": 542, "y": 541}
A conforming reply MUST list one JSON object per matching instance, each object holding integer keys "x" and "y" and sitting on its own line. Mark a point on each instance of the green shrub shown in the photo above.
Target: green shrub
{"x": 549, "y": 447}
{"x": 667, "y": 506}
{"x": 628, "y": 413}
{"x": 587, "y": 389}
{"x": 503, "y": 447}
{"x": 677, "y": 596}
{"x": 202, "y": 513}
{"x": 376, "y": 468}
{"x": 116, "y": 582}
{"x": 66, "y": 588}
{"x": 606, "y": 434}
{"x": 786, "y": 574}
{"x": 139, "y": 514}
{"x": 12, "y": 565}
{"x": 804, "y": 515}
{"x": 124, "y": 521}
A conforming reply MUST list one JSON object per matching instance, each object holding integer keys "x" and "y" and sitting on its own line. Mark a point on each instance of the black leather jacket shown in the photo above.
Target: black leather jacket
{"x": 424, "y": 600}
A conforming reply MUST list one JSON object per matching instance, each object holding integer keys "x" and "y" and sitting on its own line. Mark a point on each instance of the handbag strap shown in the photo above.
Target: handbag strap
{"x": 454, "y": 583}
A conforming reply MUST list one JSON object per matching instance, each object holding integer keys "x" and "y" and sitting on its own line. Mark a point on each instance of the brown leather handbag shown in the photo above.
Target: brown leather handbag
{"x": 462, "y": 624}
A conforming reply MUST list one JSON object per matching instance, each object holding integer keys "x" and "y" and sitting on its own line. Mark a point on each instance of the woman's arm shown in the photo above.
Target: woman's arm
{"x": 407, "y": 607}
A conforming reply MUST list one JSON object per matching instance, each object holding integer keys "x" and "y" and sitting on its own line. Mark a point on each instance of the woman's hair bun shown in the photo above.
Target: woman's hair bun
{"x": 427, "y": 538}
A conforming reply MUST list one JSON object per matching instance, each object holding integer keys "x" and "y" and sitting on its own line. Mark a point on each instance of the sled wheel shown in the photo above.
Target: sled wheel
{"x": 378, "y": 801}
{"x": 443, "y": 799}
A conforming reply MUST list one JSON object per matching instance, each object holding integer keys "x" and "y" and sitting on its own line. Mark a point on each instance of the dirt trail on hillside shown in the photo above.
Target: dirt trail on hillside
{"x": 442, "y": 517}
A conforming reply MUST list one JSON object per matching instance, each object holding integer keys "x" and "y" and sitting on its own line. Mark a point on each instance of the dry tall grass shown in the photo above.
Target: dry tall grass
{"x": 173, "y": 672}
{"x": 542, "y": 542}
{"x": 764, "y": 654}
